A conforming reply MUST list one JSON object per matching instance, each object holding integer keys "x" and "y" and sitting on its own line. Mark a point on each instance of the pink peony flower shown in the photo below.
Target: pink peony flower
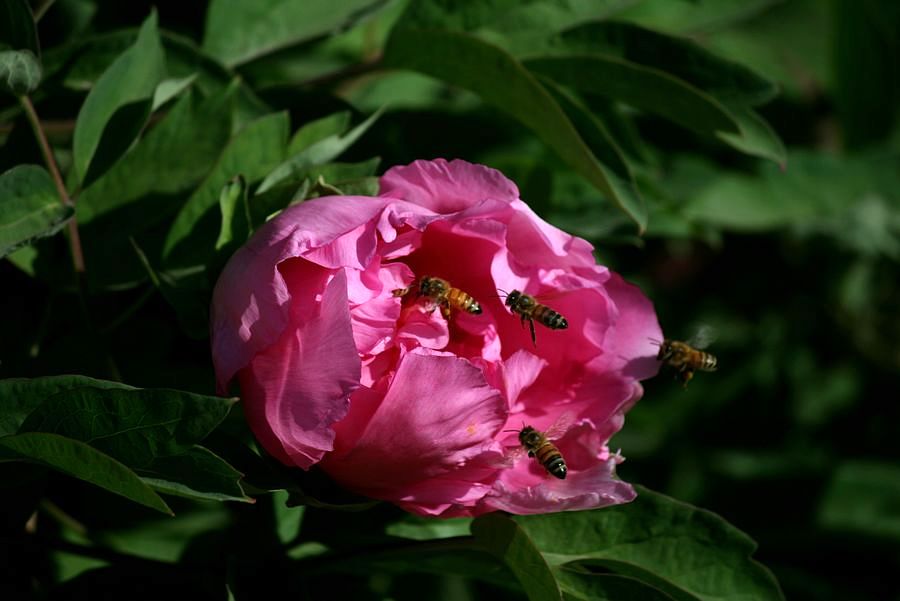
{"x": 398, "y": 403}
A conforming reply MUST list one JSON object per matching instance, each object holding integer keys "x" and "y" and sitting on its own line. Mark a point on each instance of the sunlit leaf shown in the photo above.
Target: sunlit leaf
{"x": 317, "y": 153}
{"x": 119, "y": 104}
{"x": 688, "y": 553}
{"x": 241, "y": 31}
{"x": 30, "y": 207}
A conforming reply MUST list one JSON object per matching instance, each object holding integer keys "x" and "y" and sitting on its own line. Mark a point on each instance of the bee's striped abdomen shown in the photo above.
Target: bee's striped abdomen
{"x": 552, "y": 460}
{"x": 550, "y": 318}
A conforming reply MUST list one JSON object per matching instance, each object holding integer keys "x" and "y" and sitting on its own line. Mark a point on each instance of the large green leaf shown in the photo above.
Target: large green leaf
{"x": 134, "y": 426}
{"x": 503, "y": 538}
{"x": 516, "y": 25}
{"x": 696, "y": 16}
{"x": 689, "y": 553}
{"x": 20, "y": 64}
{"x": 583, "y": 586}
{"x": 197, "y": 474}
{"x": 20, "y": 396}
{"x": 486, "y": 69}
{"x": 81, "y": 461}
{"x": 119, "y": 104}
{"x": 30, "y": 207}
{"x": 241, "y": 31}
{"x": 723, "y": 79}
{"x": 252, "y": 152}
{"x": 646, "y": 88}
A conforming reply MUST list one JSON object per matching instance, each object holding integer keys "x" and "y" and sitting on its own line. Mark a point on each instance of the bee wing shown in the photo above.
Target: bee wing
{"x": 703, "y": 337}
{"x": 562, "y": 424}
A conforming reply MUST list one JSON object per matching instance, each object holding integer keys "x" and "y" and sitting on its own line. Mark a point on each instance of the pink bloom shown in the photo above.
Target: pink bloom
{"x": 395, "y": 402}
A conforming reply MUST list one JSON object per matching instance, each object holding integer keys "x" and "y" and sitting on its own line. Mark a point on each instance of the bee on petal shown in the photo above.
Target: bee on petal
{"x": 443, "y": 295}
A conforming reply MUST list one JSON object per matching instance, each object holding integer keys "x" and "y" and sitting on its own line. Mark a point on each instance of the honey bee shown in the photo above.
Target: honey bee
{"x": 527, "y": 307}
{"x": 685, "y": 358}
{"x": 539, "y": 446}
{"x": 443, "y": 295}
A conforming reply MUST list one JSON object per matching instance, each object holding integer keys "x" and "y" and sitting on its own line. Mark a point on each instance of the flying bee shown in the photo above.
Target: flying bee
{"x": 539, "y": 446}
{"x": 443, "y": 295}
{"x": 527, "y": 307}
{"x": 686, "y": 358}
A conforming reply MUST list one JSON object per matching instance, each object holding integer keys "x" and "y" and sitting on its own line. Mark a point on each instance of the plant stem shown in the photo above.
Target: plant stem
{"x": 74, "y": 238}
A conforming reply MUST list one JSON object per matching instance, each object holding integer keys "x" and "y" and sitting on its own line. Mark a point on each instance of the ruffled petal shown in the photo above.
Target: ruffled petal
{"x": 447, "y": 187}
{"x": 589, "y": 489}
{"x": 436, "y": 413}
{"x": 295, "y": 390}
{"x": 250, "y": 300}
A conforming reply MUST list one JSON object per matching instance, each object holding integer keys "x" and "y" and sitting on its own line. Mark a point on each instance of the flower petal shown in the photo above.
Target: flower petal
{"x": 589, "y": 489}
{"x": 436, "y": 413}
{"x": 295, "y": 390}
{"x": 250, "y": 300}
{"x": 447, "y": 187}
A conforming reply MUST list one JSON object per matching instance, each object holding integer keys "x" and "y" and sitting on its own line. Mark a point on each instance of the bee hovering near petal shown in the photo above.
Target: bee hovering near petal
{"x": 443, "y": 295}
{"x": 686, "y": 358}
{"x": 528, "y": 308}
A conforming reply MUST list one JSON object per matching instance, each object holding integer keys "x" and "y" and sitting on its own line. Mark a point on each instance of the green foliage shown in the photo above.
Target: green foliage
{"x": 29, "y": 207}
{"x": 648, "y": 127}
{"x": 118, "y": 105}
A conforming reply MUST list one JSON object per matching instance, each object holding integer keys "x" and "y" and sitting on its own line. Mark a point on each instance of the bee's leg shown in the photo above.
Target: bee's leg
{"x": 533, "y": 335}
{"x": 686, "y": 375}
{"x": 531, "y": 453}
{"x": 445, "y": 311}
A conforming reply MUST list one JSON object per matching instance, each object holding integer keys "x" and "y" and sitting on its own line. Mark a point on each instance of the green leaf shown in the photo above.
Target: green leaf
{"x": 503, "y": 538}
{"x": 646, "y": 88}
{"x": 239, "y": 31}
{"x": 149, "y": 184}
{"x": 252, "y": 152}
{"x": 169, "y": 89}
{"x": 728, "y": 81}
{"x": 516, "y": 25}
{"x": 119, "y": 104}
{"x": 466, "y": 61}
{"x": 605, "y": 587}
{"x": 197, "y": 474}
{"x": 863, "y": 498}
{"x": 310, "y": 133}
{"x": 134, "y": 426}
{"x": 30, "y": 207}
{"x": 22, "y": 395}
{"x": 689, "y": 553}
{"x": 81, "y": 461}
{"x": 320, "y": 152}
{"x": 756, "y": 136}
{"x": 20, "y": 71}
{"x": 235, "y": 215}
{"x": 695, "y": 16}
